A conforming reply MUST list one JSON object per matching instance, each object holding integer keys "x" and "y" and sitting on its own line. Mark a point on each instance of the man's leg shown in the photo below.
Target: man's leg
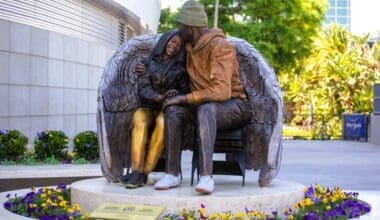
{"x": 232, "y": 113}
{"x": 176, "y": 117}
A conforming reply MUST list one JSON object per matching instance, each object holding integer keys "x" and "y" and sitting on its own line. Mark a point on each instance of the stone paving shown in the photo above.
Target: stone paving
{"x": 354, "y": 166}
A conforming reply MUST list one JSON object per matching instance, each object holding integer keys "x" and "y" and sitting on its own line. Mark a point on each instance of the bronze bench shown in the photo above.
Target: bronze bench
{"x": 230, "y": 142}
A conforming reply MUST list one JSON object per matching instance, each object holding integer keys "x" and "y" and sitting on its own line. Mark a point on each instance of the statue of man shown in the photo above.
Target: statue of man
{"x": 217, "y": 100}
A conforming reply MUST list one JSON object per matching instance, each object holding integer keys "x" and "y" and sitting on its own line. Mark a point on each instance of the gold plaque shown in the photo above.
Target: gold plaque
{"x": 116, "y": 211}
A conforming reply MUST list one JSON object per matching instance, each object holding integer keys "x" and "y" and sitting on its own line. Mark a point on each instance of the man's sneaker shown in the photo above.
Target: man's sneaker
{"x": 135, "y": 180}
{"x": 124, "y": 178}
{"x": 167, "y": 182}
{"x": 145, "y": 176}
{"x": 205, "y": 185}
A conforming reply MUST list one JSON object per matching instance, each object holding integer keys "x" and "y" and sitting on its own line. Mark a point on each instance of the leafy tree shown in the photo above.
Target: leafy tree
{"x": 167, "y": 20}
{"x": 376, "y": 48}
{"x": 337, "y": 78}
{"x": 281, "y": 30}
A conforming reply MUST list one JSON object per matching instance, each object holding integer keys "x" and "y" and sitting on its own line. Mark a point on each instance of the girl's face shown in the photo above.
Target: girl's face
{"x": 173, "y": 46}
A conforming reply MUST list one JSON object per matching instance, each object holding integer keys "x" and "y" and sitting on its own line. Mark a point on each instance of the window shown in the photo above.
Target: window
{"x": 343, "y": 20}
{"x": 342, "y": 12}
{"x": 331, "y": 12}
{"x": 122, "y": 34}
{"x": 342, "y": 3}
{"x": 330, "y": 20}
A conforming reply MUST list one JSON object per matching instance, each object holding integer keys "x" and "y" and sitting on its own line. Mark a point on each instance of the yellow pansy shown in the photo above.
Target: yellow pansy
{"x": 240, "y": 215}
{"x": 308, "y": 202}
{"x": 63, "y": 203}
{"x": 183, "y": 212}
{"x": 325, "y": 200}
{"x": 76, "y": 207}
{"x": 202, "y": 211}
{"x": 214, "y": 216}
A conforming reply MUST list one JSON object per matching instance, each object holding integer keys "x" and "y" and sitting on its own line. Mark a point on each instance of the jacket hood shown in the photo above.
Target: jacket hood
{"x": 160, "y": 48}
{"x": 206, "y": 38}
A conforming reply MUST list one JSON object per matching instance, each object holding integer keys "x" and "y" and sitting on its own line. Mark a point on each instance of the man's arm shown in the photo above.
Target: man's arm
{"x": 223, "y": 64}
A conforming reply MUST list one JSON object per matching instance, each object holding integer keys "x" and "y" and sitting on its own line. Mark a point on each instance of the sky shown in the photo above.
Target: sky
{"x": 365, "y": 15}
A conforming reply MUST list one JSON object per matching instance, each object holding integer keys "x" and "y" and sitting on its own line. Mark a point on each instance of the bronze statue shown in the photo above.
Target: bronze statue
{"x": 165, "y": 76}
{"x": 118, "y": 99}
{"x": 216, "y": 91}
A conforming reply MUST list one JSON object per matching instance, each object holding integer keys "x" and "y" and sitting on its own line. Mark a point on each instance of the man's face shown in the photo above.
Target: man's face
{"x": 185, "y": 32}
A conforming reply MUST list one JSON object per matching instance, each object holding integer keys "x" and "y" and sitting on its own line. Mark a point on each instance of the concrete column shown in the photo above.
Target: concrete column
{"x": 375, "y": 129}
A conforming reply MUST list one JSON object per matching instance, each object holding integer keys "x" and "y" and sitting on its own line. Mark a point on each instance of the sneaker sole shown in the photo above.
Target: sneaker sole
{"x": 164, "y": 188}
{"x": 133, "y": 186}
{"x": 122, "y": 183}
{"x": 203, "y": 191}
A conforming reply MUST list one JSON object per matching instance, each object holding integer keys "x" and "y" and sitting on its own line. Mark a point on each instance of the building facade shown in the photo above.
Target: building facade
{"x": 339, "y": 12}
{"x": 52, "y": 55}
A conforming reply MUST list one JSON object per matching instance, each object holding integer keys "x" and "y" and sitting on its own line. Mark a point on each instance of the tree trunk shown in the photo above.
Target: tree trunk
{"x": 216, "y": 13}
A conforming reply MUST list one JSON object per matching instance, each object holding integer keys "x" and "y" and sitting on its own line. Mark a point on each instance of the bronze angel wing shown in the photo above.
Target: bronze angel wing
{"x": 117, "y": 100}
{"x": 264, "y": 133}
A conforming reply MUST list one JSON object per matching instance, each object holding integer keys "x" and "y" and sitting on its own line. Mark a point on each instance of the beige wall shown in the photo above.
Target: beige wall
{"x": 52, "y": 55}
{"x": 48, "y": 80}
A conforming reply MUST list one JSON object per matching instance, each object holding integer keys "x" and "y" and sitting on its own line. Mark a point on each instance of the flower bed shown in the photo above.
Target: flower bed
{"x": 319, "y": 203}
{"x": 45, "y": 204}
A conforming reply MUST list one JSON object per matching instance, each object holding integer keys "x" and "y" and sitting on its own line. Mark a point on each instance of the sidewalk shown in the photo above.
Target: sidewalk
{"x": 348, "y": 164}
{"x": 354, "y": 166}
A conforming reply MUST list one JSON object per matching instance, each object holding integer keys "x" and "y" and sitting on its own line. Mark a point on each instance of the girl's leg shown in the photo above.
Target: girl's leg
{"x": 156, "y": 144}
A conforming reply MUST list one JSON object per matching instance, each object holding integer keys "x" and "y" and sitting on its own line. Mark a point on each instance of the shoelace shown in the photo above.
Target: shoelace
{"x": 169, "y": 177}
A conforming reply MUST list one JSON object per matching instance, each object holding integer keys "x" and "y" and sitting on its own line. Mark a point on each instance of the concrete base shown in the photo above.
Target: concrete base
{"x": 229, "y": 195}
{"x": 374, "y": 137}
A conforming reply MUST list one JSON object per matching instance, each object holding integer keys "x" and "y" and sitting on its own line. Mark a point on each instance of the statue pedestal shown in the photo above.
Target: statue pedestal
{"x": 229, "y": 195}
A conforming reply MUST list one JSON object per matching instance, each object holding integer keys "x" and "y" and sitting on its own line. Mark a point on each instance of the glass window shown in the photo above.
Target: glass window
{"x": 342, "y": 12}
{"x": 330, "y": 20}
{"x": 343, "y": 20}
{"x": 332, "y": 3}
{"x": 331, "y": 12}
{"x": 342, "y": 3}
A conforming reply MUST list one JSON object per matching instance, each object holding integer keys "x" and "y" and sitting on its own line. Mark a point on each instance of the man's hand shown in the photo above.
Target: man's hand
{"x": 171, "y": 93}
{"x": 176, "y": 100}
{"x": 140, "y": 68}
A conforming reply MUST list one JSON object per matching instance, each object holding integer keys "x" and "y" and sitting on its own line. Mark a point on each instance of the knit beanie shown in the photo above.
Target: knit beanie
{"x": 193, "y": 14}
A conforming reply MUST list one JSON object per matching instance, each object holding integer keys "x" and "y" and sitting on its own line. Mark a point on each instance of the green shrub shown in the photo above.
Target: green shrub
{"x": 51, "y": 160}
{"x": 79, "y": 161}
{"x": 29, "y": 159}
{"x": 86, "y": 146}
{"x": 12, "y": 145}
{"x": 51, "y": 143}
